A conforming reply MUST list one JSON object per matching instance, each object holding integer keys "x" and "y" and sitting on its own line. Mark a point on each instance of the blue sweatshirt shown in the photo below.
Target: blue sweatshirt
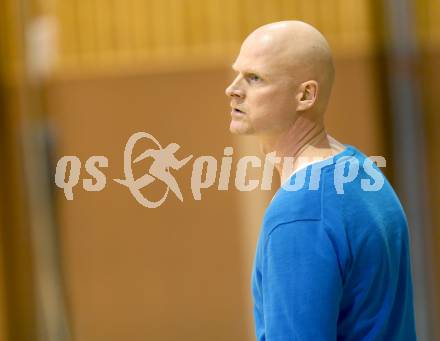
{"x": 333, "y": 258}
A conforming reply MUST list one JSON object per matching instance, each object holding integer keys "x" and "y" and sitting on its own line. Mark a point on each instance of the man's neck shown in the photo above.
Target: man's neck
{"x": 306, "y": 141}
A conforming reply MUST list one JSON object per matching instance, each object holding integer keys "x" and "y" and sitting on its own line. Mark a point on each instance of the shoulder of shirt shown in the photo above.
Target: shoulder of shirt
{"x": 304, "y": 204}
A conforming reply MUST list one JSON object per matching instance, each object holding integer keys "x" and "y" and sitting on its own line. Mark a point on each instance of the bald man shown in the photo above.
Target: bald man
{"x": 332, "y": 262}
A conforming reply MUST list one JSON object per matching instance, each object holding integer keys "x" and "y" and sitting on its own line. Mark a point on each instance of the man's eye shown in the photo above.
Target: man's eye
{"x": 254, "y": 78}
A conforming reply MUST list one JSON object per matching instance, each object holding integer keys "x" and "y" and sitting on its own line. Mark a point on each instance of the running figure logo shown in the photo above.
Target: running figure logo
{"x": 164, "y": 159}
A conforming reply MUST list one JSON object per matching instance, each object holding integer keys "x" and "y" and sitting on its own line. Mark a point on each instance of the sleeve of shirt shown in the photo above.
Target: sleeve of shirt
{"x": 301, "y": 283}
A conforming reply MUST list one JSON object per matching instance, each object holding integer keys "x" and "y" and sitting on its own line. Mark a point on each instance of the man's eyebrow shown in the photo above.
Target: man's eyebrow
{"x": 246, "y": 71}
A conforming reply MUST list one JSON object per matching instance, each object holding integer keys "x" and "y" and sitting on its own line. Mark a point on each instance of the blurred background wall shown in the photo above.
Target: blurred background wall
{"x": 80, "y": 77}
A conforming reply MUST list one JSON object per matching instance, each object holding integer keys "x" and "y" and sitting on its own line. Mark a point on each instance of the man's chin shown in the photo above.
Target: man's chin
{"x": 237, "y": 128}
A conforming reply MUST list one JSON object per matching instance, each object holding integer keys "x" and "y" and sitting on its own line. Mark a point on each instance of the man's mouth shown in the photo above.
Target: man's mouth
{"x": 237, "y": 111}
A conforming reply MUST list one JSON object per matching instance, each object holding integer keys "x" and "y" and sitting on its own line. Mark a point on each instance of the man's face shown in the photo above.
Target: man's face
{"x": 263, "y": 93}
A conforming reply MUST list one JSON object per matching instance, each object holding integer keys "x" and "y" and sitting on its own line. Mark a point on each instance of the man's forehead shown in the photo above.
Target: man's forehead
{"x": 245, "y": 65}
{"x": 261, "y": 46}
{"x": 248, "y": 63}
{"x": 259, "y": 58}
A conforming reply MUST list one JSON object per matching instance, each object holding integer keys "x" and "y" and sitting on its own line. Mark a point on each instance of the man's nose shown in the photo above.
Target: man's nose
{"x": 234, "y": 89}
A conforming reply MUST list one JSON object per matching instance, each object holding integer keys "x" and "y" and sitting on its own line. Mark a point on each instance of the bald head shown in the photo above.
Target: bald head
{"x": 296, "y": 49}
{"x": 285, "y": 70}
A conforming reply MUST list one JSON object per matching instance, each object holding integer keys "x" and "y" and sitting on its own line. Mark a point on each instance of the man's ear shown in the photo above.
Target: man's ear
{"x": 307, "y": 95}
